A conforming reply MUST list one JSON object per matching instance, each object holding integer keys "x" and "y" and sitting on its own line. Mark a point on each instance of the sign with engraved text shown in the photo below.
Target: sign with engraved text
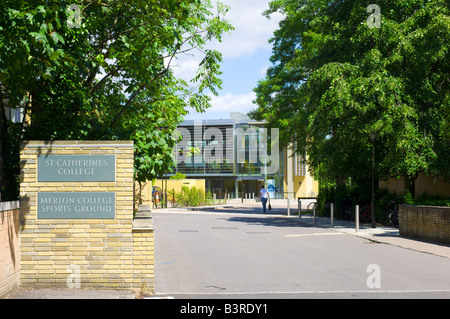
{"x": 76, "y": 168}
{"x": 76, "y": 205}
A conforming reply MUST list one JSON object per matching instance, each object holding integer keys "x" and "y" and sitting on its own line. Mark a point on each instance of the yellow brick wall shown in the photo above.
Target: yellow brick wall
{"x": 52, "y": 251}
{"x": 9, "y": 246}
{"x": 143, "y": 260}
{"x": 425, "y": 222}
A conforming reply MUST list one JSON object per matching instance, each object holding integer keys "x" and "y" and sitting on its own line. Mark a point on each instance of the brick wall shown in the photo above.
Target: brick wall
{"x": 58, "y": 252}
{"x": 143, "y": 251}
{"x": 9, "y": 246}
{"x": 425, "y": 222}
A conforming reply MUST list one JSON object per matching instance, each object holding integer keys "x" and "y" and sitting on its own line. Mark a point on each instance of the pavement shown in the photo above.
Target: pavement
{"x": 379, "y": 234}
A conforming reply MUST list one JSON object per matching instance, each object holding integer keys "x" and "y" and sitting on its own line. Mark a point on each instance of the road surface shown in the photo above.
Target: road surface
{"x": 241, "y": 253}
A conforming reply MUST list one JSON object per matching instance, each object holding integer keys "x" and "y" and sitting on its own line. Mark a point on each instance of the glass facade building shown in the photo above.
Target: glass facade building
{"x": 235, "y": 156}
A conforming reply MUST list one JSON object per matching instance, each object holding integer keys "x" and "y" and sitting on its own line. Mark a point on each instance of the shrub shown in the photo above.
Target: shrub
{"x": 343, "y": 196}
{"x": 190, "y": 196}
{"x": 178, "y": 175}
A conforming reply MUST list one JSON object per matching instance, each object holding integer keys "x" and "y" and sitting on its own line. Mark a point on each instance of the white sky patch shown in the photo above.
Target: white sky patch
{"x": 233, "y": 103}
{"x": 185, "y": 66}
{"x": 263, "y": 70}
{"x": 252, "y": 29}
{"x": 252, "y": 33}
{"x": 222, "y": 105}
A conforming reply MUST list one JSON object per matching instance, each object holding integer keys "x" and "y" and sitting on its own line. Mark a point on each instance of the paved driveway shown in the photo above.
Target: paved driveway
{"x": 241, "y": 253}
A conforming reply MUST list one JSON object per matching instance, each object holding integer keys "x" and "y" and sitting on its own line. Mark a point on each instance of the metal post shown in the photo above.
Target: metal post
{"x": 372, "y": 203}
{"x": 288, "y": 207}
{"x": 314, "y": 213}
{"x": 357, "y": 218}
{"x": 243, "y": 185}
{"x": 372, "y": 213}
{"x": 332, "y": 214}
{"x": 299, "y": 209}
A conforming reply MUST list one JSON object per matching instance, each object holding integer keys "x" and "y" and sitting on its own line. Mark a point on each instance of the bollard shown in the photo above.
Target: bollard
{"x": 299, "y": 209}
{"x": 314, "y": 213}
{"x": 357, "y": 218}
{"x": 332, "y": 214}
{"x": 288, "y": 207}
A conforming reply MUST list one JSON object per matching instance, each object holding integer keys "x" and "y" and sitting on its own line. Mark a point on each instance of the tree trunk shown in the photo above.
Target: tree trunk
{"x": 410, "y": 184}
{"x": 340, "y": 180}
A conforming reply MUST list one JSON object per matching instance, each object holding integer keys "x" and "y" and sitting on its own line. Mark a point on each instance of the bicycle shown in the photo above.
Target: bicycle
{"x": 364, "y": 214}
{"x": 392, "y": 215}
{"x": 347, "y": 210}
{"x": 310, "y": 207}
{"x": 327, "y": 209}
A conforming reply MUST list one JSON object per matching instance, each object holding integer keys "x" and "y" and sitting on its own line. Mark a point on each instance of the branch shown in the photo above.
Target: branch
{"x": 100, "y": 83}
{"x": 132, "y": 97}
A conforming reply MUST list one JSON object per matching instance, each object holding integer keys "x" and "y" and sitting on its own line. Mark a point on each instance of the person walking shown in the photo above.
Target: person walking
{"x": 264, "y": 195}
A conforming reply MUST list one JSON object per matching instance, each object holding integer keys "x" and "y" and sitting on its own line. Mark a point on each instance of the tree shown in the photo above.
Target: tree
{"x": 178, "y": 175}
{"x": 103, "y": 69}
{"x": 335, "y": 79}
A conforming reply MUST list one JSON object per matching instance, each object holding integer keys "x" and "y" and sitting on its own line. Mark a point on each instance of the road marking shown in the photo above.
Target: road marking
{"x": 170, "y": 262}
{"x": 257, "y": 232}
{"x": 374, "y": 291}
{"x": 315, "y": 234}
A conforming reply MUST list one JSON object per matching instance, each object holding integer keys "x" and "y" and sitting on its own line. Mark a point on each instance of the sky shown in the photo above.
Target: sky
{"x": 246, "y": 52}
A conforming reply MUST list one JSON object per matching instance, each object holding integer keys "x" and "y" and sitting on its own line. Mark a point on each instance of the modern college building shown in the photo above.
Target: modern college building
{"x": 236, "y": 156}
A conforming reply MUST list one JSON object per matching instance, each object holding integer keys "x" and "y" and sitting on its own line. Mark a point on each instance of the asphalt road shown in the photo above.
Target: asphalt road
{"x": 239, "y": 254}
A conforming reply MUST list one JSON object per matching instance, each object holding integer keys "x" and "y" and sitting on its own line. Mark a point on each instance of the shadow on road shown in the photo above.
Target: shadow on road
{"x": 272, "y": 221}
{"x": 277, "y": 216}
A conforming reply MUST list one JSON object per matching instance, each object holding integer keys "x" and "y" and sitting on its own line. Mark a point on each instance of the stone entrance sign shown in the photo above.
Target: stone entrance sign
{"x": 76, "y": 168}
{"x": 98, "y": 205}
{"x": 77, "y": 217}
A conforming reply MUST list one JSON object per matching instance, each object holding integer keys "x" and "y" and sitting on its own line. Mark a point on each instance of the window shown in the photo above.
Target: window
{"x": 14, "y": 115}
{"x": 300, "y": 167}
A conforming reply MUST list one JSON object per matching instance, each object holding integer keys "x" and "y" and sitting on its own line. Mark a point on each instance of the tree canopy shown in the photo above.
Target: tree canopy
{"x": 336, "y": 78}
{"x": 103, "y": 70}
